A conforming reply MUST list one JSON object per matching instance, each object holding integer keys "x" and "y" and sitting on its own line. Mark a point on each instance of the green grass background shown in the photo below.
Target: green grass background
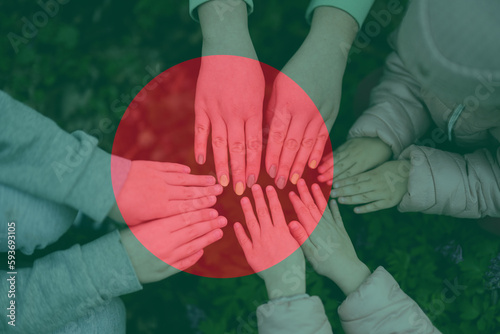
{"x": 93, "y": 51}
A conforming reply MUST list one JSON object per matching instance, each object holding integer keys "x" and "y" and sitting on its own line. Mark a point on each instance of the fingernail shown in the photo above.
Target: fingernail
{"x": 341, "y": 199}
{"x": 212, "y": 199}
{"x": 295, "y": 178}
{"x": 357, "y": 210}
{"x": 200, "y": 159}
{"x": 223, "y": 180}
{"x": 313, "y": 164}
{"x": 218, "y": 234}
{"x": 251, "y": 181}
{"x": 239, "y": 189}
{"x": 214, "y": 214}
{"x": 281, "y": 182}
{"x": 294, "y": 225}
{"x": 333, "y": 193}
{"x": 335, "y": 185}
{"x": 272, "y": 171}
{"x": 222, "y": 221}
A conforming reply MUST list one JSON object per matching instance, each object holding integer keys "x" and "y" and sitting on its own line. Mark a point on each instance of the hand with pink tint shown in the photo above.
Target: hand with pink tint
{"x": 173, "y": 244}
{"x": 324, "y": 239}
{"x": 297, "y": 132}
{"x": 228, "y": 103}
{"x": 271, "y": 250}
{"x": 154, "y": 190}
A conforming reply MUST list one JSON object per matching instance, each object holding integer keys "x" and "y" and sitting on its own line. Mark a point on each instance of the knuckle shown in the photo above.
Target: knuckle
{"x": 219, "y": 142}
{"x": 254, "y": 144}
{"x": 292, "y": 144}
{"x": 277, "y": 136}
{"x": 262, "y": 212}
{"x": 201, "y": 129}
{"x": 237, "y": 147}
{"x": 308, "y": 143}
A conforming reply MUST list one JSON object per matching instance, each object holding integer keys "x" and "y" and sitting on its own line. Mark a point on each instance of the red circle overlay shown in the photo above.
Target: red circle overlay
{"x": 158, "y": 125}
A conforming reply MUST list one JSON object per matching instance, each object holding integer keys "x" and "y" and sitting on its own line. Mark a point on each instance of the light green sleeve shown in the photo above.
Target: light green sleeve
{"x": 358, "y": 9}
{"x": 193, "y": 5}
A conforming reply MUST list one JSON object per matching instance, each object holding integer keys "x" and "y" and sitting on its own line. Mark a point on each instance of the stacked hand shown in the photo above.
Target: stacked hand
{"x": 272, "y": 252}
{"x": 326, "y": 244}
{"x": 167, "y": 210}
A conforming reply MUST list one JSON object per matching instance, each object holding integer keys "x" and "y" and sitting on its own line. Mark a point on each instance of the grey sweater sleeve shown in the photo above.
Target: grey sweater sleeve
{"x": 38, "y": 157}
{"x": 69, "y": 284}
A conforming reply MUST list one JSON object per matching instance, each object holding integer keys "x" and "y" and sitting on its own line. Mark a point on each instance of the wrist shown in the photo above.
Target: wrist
{"x": 351, "y": 277}
{"x": 333, "y": 27}
{"x": 286, "y": 283}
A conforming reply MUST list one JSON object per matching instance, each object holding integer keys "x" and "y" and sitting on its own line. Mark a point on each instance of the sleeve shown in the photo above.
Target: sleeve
{"x": 380, "y": 306}
{"x": 397, "y": 115}
{"x": 300, "y": 315}
{"x": 193, "y": 6}
{"x": 38, "y": 157}
{"x": 358, "y": 9}
{"x": 444, "y": 183}
{"x": 66, "y": 285}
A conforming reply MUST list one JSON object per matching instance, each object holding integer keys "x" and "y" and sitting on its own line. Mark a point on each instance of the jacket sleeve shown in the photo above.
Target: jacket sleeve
{"x": 66, "y": 285}
{"x": 296, "y": 315}
{"x": 380, "y": 306}
{"x": 358, "y": 9}
{"x": 397, "y": 115}
{"x": 444, "y": 183}
{"x": 38, "y": 157}
{"x": 193, "y": 8}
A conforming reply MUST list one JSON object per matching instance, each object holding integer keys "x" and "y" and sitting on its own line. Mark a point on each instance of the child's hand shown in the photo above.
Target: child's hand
{"x": 272, "y": 252}
{"x": 355, "y": 156}
{"x": 327, "y": 246}
{"x": 161, "y": 248}
{"x": 156, "y": 190}
{"x": 382, "y": 187}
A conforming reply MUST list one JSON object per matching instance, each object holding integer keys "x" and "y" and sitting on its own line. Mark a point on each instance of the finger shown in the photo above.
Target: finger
{"x": 277, "y": 135}
{"x": 326, "y": 177}
{"x": 182, "y": 220}
{"x": 219, "y": 145}
{"x": 303, "y": 213}
{"x": 337, "y": 218}
{"x": 201, "y": 132}
{"x": 188, "y": 261}
{"x": 261, "y": 207}
{"x": 196, "y": 245}
{"x": 343, "y": 168}
{"x": 360, "y": 199}
{"x": 289, "y": 151}
{"x": 304, "y": 152}
{"x": 371, "y": 207}
{"x": 275, "y": 207}
{"x": 326, "y": 163}
{"x": 307, "y": 199}
{"x": 319, "y": 198}
{"x": 351, "y": 180}
{"x": 253, "y": 134}
{"x": 197, "y": 192}
{"x": 252, "y": 223}
{"x": 194, "y": 231}
{"x": 353, "y": 189}
{"x": 188, "y": 205}
{"x": 166, "y": 166}
{"x": 189, "y": 180}
{"x": 236, "y": 136}
{"x": 319, "y": 146}
{"x": 300, "y": 235}
{"x": 243, "y": 239}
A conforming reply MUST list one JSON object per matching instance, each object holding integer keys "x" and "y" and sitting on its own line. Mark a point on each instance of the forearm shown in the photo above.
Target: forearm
{"x": 224, "y": 26}
{"x": 334, "y": 29}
